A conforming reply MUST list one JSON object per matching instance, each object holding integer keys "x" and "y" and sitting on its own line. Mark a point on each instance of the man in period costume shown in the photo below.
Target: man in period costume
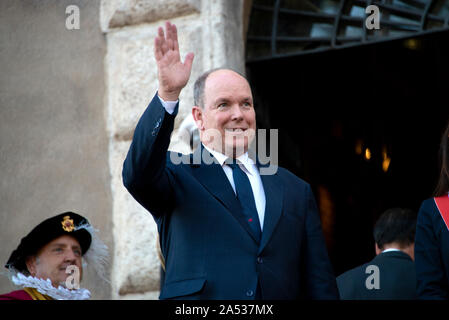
{"x": 48, "y": 263}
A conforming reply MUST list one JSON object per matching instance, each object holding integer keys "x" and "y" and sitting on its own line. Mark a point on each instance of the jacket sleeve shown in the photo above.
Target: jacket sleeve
{"x": 431, "y": 278}
{"x": 144, "y": 173}
{"x": 320, "y": 278}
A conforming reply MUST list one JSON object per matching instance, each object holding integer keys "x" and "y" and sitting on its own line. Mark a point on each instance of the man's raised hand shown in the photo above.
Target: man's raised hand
{"x": 173, "y": 75}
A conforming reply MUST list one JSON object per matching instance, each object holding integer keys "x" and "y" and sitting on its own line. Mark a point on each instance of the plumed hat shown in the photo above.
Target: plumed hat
{"x": 67, "y": 223}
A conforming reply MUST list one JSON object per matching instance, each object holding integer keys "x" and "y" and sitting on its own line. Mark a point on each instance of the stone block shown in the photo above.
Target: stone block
{"x": 121, "y": 13}
{"x": 132, "y": 73}
{"x": 136, "y": 264}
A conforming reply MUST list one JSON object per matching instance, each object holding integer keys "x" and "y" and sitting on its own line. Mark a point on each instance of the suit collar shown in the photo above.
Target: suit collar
{"x": 274, "y": 194}
{"x": 393, "y": 254}
{"x": 244, "y": 159}
{"x": 213, "y": 178}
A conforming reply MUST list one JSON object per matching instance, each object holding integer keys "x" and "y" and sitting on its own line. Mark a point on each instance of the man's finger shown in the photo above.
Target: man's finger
{"x": 160, "y": 31}
{"x": 162, "y": 42}
{"x": 169, "y": 44}
{"x": 157, "y": 49}
{"x": 171, "y": 37}
{"x": 175, "y": 39}
{"x": 167, "y": 27}
{"x": 188, "y": 61}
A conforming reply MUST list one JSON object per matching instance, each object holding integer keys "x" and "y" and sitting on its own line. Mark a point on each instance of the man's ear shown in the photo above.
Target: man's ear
{"x": 31, "y": 265}
{"x": 378, "y": 250}
{"x": 197, "y": 114}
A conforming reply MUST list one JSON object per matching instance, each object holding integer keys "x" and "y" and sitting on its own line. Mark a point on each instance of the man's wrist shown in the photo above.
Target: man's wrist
{"x": 168, "y": 95}
{"x": 168, "y": 105}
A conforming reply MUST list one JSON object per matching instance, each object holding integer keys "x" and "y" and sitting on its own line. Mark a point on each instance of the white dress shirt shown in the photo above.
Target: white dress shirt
{"x": 390, "y": 249}
{"x": 246, "y": 164}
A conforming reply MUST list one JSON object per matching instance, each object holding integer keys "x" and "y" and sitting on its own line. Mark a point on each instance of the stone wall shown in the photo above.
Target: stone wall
{"x": 214, "y": 31}
{"x": 53, "y": 142}
{"x": 69, "y": 102}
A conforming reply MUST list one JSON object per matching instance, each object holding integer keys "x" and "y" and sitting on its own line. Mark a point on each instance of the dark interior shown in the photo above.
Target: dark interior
{"x": 391, "y": 97}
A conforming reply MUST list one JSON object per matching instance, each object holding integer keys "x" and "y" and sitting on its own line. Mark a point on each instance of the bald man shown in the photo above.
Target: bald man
{"x": 227, "y": 230}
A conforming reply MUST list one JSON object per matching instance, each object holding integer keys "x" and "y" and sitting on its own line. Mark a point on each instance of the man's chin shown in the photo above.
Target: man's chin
{"x": 235, "y": 150}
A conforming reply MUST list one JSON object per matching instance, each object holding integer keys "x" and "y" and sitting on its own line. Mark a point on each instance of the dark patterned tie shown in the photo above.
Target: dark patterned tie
{"x": 246, "y": 198}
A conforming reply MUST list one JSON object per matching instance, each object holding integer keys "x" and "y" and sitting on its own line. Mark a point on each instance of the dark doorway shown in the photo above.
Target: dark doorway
{"x": 362, "y": 125}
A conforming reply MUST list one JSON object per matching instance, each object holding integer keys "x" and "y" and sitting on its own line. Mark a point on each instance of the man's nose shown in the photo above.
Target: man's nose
{"x": 70, "y": 256}
{"x": 236, "y": 112}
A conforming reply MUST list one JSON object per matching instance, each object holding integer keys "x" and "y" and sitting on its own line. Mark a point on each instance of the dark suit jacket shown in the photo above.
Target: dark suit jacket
{"x": 210, "y": 251}
{"x": 431, "y": 253}
{"x": 397, "y": 279}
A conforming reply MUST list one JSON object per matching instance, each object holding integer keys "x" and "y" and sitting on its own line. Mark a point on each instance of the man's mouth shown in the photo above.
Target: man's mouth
{"x": 235, "y": 129}
{"x": 64, "y": 267}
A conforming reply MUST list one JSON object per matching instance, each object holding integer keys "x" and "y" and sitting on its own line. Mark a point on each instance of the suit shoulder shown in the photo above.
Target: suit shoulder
{"x": 351, "y": 273}
{"x": 428, "y": 211}
{"x": 350, "y": 282}
{"x": 291, "y": 178}
{"x": 285, "y": 173}
{"x": 428, "y": 205}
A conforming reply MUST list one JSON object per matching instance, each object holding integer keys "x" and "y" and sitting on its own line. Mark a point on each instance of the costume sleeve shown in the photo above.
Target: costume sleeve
{"x": 144, "y": 171}
{"x": 431, "y": 278}
{"x": 16, "y": 295}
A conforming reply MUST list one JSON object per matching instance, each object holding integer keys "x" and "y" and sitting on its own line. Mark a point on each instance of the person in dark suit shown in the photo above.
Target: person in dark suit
{"x": 227, "y": 231}
{"x": 391, "y": 274}
{"x": 432, "y": 235}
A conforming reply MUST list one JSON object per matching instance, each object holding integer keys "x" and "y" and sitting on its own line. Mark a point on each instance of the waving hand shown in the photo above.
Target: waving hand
{"x": 173, "y": 74}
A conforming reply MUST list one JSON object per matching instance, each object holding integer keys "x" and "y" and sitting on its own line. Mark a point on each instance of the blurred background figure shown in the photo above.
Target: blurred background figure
{"x": 391, "y": 274}
{"x": 432, "y": 235}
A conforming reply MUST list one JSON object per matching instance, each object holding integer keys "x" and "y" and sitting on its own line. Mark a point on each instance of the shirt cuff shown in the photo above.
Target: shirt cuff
{"x": 169, "y": 106}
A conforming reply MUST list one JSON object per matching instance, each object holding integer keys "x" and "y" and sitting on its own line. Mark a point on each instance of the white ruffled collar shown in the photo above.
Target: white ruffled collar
{"x": 45, "y": 287}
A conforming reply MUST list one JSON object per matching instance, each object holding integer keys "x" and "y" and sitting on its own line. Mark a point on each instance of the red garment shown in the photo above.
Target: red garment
{"x": 443, "y": 206}
{"x": 16, "y": 295}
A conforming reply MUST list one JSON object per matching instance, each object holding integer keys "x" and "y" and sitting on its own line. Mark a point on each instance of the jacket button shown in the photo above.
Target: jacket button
{"x": 259, "y": 260}
{"x": 250, "y": 293}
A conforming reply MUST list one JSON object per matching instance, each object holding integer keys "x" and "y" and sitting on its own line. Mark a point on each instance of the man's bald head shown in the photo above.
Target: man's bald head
{"x": 200, "y": 84}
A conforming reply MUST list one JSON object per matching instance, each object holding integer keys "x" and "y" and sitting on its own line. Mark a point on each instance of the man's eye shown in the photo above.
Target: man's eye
{"x": 222, "y": 105}
{"x": 247, "y": 104}
{"x": 58, "y": 250}
{"x": 77, "y": 253}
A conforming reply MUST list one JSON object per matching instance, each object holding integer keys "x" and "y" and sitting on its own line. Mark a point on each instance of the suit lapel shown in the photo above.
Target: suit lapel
{"x": 274, "y": 194}
{"x": 213, "y": 178}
